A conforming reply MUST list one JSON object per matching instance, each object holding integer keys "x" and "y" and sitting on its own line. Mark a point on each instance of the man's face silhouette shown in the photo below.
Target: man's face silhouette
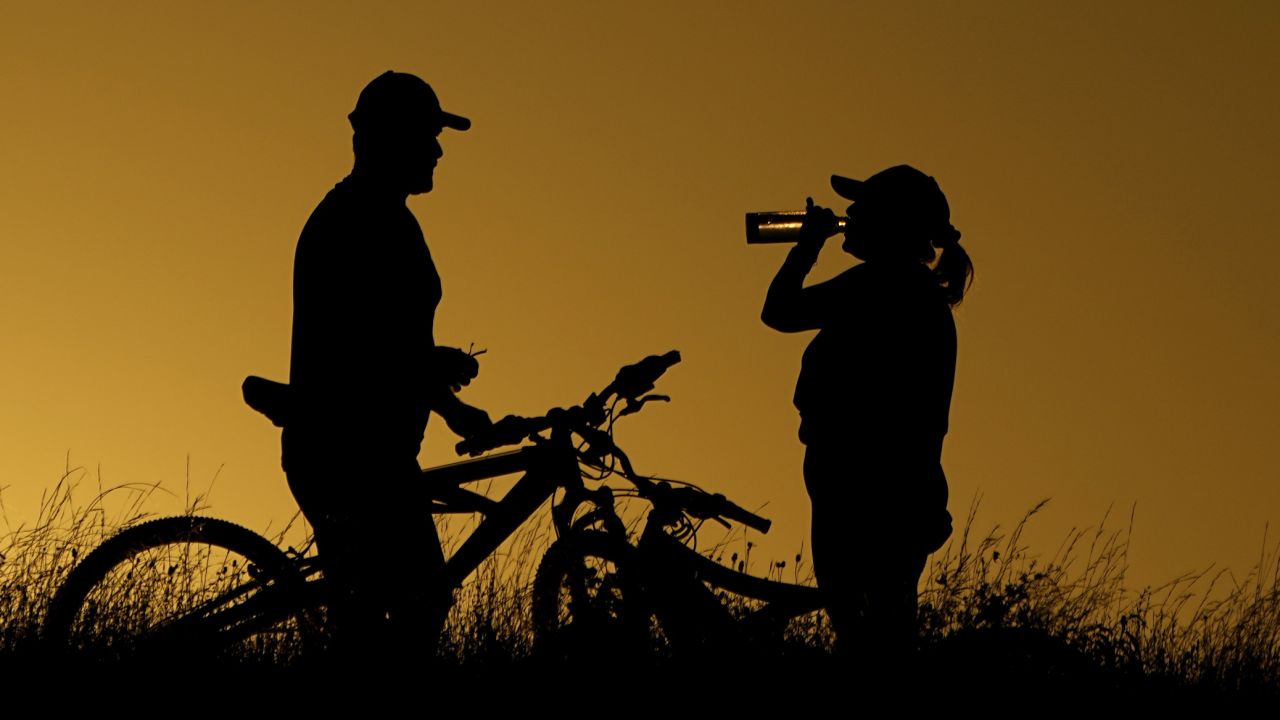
{"x": 421, "y": 153}
{"x": 403, "y": 157}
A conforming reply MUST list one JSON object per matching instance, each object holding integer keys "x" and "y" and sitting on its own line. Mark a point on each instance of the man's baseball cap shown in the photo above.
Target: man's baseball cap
{"x": 901, "y": 190}
{"x": 396, "y": 100}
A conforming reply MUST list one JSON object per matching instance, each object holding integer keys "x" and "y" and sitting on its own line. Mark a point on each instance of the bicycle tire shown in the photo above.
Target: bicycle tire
{"x": 200, "y": 586}
{"x": 589, "y": 603}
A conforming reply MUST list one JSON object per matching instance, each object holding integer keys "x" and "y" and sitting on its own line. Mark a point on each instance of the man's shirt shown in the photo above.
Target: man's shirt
{"x": 365, "y": 294}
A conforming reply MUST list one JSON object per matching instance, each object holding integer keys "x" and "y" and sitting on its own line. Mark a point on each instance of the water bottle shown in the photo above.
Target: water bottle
{"x": 780, "y": 227}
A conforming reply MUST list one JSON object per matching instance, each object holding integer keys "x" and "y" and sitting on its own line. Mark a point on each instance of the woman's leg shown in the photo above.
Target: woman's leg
{"x": 865, "y": 561}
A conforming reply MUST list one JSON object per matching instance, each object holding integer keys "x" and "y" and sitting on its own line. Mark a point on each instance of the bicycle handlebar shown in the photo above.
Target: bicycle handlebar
{"x": 629, "y": 384}
{"x": 701, "y": 504}
{"x": 744, "y": 516}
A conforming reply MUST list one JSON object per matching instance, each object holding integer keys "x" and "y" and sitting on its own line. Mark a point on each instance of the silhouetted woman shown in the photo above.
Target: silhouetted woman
{"x": 873, "y": 394}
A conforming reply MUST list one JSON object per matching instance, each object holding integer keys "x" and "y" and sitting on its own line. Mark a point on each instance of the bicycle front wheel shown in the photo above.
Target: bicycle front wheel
{"x": 589, "y": 603}
{"x": 185, "y": 586}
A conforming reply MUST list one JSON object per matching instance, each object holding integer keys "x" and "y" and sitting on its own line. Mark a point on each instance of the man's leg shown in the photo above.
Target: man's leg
{"x": 394, "y": 564}
{"x": 381, "y": 553}
{"x": 413, "y": 585}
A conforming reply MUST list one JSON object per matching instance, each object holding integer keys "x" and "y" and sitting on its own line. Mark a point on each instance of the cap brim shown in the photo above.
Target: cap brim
{"x": 456, "y": 122}
{"x": 847, "y": 188}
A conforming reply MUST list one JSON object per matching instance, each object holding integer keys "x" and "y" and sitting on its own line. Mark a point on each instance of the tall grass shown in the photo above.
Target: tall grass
{"x": 36, "y": 557}
{"x": 1071, "y": 614}
{"x": 988, "y": 604}
{"x": 490, "y": 623}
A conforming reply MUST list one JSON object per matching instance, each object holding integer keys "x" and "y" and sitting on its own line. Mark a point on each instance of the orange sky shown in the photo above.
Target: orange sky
{"x": 1112, "y": 168}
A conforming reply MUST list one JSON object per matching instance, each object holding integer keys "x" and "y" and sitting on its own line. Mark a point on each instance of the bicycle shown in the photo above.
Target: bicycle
{"x": 208, "y": 586}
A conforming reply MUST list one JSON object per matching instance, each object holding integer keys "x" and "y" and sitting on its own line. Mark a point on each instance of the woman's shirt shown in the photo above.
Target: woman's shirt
{"x": 878, "y": 376}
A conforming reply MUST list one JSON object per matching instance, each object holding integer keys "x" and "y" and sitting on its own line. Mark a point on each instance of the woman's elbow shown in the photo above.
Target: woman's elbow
{"x": 776, "y": 320}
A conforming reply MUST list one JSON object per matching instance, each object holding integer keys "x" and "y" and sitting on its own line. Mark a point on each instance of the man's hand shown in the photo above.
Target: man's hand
{"x": 465, "y": 420}
{"x": 454, "y": 367}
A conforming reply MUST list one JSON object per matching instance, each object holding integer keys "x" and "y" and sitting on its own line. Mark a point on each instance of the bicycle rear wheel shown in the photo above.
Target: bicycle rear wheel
{"x": 186, "y": 587}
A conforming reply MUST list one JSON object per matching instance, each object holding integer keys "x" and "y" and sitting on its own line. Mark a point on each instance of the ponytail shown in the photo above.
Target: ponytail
{"x": 954, "y": 270}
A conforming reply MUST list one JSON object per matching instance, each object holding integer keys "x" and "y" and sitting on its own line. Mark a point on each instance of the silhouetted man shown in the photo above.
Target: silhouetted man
{"x": 366, "y": 373}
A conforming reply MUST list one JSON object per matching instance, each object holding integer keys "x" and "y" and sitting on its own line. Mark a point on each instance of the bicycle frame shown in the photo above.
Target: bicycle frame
{"x": 547, "y": 466}
{"x": 550, "y": 464}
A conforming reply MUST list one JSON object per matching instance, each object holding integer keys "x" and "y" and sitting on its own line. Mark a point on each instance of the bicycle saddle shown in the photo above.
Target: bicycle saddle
{"x": 268, "y": 397}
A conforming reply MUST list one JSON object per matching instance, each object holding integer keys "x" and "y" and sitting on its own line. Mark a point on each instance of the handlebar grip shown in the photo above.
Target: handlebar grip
{"x": 744, "y": 516}
{"x": 637, "y": 379}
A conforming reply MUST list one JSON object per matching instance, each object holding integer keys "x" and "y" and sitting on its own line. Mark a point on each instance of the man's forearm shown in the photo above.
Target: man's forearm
{"x": 461, "y": 418}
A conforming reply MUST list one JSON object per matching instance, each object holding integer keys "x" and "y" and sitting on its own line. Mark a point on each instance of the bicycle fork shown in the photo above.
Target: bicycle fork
{"x": 693, "y": 614}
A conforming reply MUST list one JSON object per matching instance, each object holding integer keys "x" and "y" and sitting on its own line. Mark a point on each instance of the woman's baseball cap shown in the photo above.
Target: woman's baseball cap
{"x": 899, "y": 189}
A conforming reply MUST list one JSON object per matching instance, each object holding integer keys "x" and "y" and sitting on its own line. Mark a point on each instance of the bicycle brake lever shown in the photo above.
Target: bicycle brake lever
{"x": 633, "y": 406}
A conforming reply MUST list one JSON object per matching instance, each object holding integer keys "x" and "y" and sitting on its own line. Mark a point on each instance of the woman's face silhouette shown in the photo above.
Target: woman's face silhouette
{"x": 863, "y": 234}
{"x": 877, "y": 231}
